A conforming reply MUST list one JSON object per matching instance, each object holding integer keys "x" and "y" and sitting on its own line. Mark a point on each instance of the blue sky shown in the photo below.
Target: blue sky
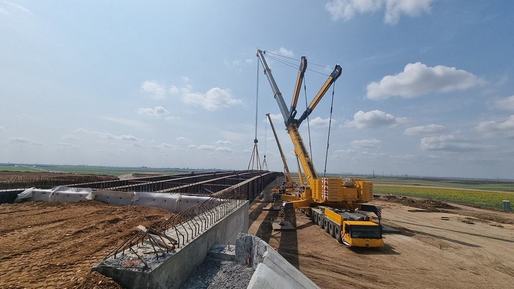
{"x": 427, "y": 86}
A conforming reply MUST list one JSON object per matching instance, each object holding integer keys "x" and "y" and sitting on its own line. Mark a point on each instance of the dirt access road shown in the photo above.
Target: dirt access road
{"x": 437, "y": 250}
{"x": 52, "y": 245}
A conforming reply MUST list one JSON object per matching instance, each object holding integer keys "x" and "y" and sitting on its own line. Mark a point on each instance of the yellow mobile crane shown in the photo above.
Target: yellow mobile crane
{"x": 334, "y": 203}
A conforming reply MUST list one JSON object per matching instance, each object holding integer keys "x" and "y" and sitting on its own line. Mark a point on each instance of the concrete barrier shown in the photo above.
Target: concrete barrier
{"x": 271, "y": 269}
{"x": 172, "y": 270}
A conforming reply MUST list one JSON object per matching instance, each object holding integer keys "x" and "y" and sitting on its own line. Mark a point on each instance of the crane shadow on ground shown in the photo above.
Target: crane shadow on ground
{"x": 256, "y": 212}
{"x": 265, "y": 228}
{"x": 288, "y": 246}
{"x": 386, "y": 250}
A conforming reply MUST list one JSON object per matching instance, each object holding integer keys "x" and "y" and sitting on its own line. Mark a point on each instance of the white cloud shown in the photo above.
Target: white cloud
{"x": 211, "y": 100}
{"x": 223, "y": 142}
{"x": 224, "y": 149}
{"x": 497, "y": 127}
{"x": 366, "y": 143}
{"x": 214, "y": 99}
{"x": 418, "y": 79}
{"x": 9, "y": 7}
{"x": 107, "y": 135}
{"x": 154, "y": 89}
{"x": 23, "y": 141}
{"x": 157, "y": 111}
{"x": 284, "y": 52}
{"x": 506, "y": 103}
{"x": 238, "y": 136}
{"x": 67, "y": 145}
{"x": 164, "y": 146}
{"x": 124, "y": 121}
{"x": 449, "y": 143}
{"x": 205, "y": 147}
{"x": 346, "y": 9}
{"x": 183, "y": 139}
{"x": 425, "y": 130}
{"x": 173, "y": 89}
{"x": 239, "y": 64}
{"x": 374, "y": 118}
{"x": 321, "y": 122}
{"x": 128, "y": 137}
{"x": 394, "y": 9}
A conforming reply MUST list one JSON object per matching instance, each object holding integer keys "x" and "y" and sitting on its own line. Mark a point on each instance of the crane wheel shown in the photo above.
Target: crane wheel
{"x": 327, "y": 225}
{"x": 331, "y": 229}
{"x": 337, "y": 233}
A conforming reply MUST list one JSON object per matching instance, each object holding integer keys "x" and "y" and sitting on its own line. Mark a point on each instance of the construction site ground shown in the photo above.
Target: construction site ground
{"x": 53, "y": 245}
{"x": 439, "y": 247}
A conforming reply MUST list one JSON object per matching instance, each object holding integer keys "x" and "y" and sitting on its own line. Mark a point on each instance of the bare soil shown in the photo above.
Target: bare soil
{"x": 95, "y": 280}
{"x": 450, "y": 249}
{"x": 424, "y": 204}
{"x": 43, "y": 180}
{"x": 54, "y": 245}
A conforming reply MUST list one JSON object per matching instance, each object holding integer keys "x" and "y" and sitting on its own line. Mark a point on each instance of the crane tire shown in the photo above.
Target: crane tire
{"x": 338, "y": 235}
{"x": 331, "y": 229}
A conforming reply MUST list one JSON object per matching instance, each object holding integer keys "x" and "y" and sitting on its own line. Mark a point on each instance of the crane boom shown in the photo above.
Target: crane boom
{"x": 286, "y": 167}
{"x": 314, "y": 102}
{"x": 276, "y": 92}
{"x": 292, "y": 127}
{"x": 297, "y": 87}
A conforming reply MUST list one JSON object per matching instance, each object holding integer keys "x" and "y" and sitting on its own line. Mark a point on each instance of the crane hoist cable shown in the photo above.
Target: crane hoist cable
{"x": 293, "y": 59}
{"x": 308, "y": 119}
{"x": 254, "y": 157}
{"x": 292, "y": 65}
{"x": 329, "y": 129}
{"x": 264, "y": 161}
{"x": 257, "y": 101}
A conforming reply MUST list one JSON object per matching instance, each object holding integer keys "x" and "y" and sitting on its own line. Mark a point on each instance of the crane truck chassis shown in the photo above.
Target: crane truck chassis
{"x": 353, "y": 229}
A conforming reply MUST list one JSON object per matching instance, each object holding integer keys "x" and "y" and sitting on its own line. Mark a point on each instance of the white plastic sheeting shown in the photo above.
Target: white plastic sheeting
{"x": 57, "y": 194}
{"x": 170, "y": 202}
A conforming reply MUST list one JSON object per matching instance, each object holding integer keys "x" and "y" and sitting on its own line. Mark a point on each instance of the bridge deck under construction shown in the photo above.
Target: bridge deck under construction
{"x": 243, "y": 184}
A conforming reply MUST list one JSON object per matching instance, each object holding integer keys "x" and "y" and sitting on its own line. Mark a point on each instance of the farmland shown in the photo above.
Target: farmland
{"x": 86, "y": 169}
{"x": 466, "y": 196}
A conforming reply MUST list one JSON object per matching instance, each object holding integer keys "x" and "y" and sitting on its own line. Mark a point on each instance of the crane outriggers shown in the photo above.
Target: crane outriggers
{"x": 336, "y": 204}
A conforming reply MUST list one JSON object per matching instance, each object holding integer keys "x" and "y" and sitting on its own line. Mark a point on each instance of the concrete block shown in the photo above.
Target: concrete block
{"x": 265, "y": 278}
{"x": 253, "y": 251}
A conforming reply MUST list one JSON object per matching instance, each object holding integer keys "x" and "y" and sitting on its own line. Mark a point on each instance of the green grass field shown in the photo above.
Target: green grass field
{"x": 478, "y": 198}
{"x": 82, "y": 169}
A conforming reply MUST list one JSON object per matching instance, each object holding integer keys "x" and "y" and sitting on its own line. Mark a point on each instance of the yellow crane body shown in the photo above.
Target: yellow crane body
{"x": 335, "y": 203}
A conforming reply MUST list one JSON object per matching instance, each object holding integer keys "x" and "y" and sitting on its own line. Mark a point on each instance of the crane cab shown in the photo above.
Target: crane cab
{"x": 351, "y": 228}
{"x": 362, "y": 234}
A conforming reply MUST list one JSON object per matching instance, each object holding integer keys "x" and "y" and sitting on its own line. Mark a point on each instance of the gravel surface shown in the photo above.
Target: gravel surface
{"x": 218, "y": 274}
